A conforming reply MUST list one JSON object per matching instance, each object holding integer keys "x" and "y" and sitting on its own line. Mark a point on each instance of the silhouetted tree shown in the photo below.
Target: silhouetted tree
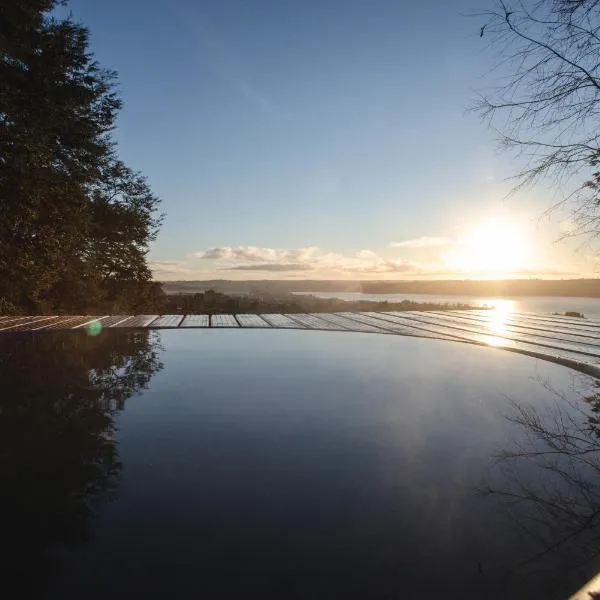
{"x": 549, "y": 106}
{"x": 58, "y": 456}
{"x": 73, "y": 217}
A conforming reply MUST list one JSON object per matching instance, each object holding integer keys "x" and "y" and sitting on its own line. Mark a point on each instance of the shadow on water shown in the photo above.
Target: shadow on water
{"x": 58, "y": 454}
{"x": 547, "y": 483}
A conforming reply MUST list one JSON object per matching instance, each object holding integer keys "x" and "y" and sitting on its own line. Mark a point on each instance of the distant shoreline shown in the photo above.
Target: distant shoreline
{"x": 579, "y": 288}
{"x": 213, "y": 302}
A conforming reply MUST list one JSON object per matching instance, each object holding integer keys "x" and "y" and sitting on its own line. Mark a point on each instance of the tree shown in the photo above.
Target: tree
{"x": 75, "y": 222}
{"x": 548, "y": 108}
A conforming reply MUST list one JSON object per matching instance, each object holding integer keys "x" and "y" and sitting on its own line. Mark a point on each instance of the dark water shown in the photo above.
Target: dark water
{"x": 292, "y": 464}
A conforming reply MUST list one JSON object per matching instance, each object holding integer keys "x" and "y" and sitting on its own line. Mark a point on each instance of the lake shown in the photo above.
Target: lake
{"x": 590, "y": 307}
{"x": 292, "y": 464}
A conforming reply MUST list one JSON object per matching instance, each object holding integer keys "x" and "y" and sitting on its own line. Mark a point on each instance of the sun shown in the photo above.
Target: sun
{"x": 493, "y": 249}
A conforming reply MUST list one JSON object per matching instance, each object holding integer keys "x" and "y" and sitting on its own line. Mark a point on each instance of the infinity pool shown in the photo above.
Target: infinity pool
{"x": 293, "y": 464}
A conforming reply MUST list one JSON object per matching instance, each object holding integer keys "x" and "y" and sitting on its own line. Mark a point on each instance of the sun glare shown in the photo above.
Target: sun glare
{"x": 493, "y": 249}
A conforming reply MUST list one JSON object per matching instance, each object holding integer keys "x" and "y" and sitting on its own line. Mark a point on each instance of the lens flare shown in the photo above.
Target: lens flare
{"x": 93, "y": 328}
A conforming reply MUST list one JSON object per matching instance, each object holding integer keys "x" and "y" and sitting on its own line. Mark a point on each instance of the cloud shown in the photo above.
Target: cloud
{"x": 366, "y": 255}
{"x": 422, "y": 242}
{"x": 160, "y": 268}
{"x": 244, "y": 261}
{"x": 167, "y": 263}
{"x": 256, "y": 254}
{"x": 309, "y": 258}
{"x": 213, "y": 253}
{"x": 272, "y": 267}
{"x": 389, "y": 266}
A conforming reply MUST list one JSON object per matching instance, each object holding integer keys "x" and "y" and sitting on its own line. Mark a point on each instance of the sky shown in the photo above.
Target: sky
{"x": 321, "y": 139}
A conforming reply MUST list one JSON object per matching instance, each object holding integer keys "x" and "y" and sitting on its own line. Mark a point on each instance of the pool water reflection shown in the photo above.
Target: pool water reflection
{"x": 293, "y": 464}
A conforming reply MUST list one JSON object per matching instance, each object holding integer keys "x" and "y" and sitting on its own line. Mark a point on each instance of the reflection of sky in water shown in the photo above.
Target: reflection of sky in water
{"x": 296, "y": 459}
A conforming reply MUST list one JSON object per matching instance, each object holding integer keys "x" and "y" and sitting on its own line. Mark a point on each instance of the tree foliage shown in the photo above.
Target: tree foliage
{"x": 548, "y": 106}
{"x": 75, "y": 222}
{"x": 214, "y": 303}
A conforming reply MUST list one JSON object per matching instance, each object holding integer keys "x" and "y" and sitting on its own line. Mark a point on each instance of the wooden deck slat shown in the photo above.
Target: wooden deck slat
{"x": 542, "y": 342}
{"x": 26, "y": 323}
{"x": 311, "y": 321}
{"x": 421, "y": 329}
{"x": 556, "y": 319}
{"x": 195, "y": 321}
{"x": 400, "y": 328}
{"x": 582, "y": 327}
{"x": 89, "y": 320}
{"x": 574, "y": 342}
{"x": 223, "y": 321}
{"x": 66, "y": 322}
{"x": 350, "y": 324}
{"x": 114, "y": 320}
{"x": 460, "y": 329}
{"x": 6, "y": 320}
{"x": 560, "y": 318}
{"x": 251, "y": 321}
{"x": 489, "y": 339}
{"x": 281, "y": 321}
{"x": 137, "y": 321}
{"x": 123, "y": 322}
{"x": 520, "y": 321}
{"x": 167, "y": 321}
{"x": 511, "y": 325}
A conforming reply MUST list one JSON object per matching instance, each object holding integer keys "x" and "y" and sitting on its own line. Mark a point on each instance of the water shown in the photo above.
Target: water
{"x": 290, "y": 464}
{"x": 590, "y": 307}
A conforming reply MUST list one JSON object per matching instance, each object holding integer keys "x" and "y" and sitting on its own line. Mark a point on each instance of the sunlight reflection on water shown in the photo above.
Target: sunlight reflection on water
{"x": 497, "y": 317}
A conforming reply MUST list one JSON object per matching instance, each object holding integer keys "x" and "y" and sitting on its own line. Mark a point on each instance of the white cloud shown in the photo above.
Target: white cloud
{"x": 169, "y": 268}
{"x": 255, "y": 254}
{"x": 272, "y": 267}
{"x": 314, "y": 264}
{"x": 366, "y": 254}
{"x": 422, "y": 242}
{"x": 309, "y": 258}
{"x": 213, "y": 253}
{"x": 386, "y": 266}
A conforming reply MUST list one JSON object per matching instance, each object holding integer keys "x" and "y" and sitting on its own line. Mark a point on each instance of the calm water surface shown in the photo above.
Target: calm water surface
{"x": 590, "y": 307}
{"x": 292, "y": 464}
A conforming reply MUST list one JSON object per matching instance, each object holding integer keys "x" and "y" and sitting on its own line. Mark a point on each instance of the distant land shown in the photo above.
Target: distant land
{"x": 583, "y": 288}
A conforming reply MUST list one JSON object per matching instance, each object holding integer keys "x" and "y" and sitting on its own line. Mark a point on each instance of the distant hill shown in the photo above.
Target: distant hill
{"x": 584, "y": 288}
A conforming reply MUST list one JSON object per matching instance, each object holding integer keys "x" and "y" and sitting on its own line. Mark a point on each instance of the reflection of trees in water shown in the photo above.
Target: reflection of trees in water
{"x": 58, "y": 455}
{"x": 550, "y": 481}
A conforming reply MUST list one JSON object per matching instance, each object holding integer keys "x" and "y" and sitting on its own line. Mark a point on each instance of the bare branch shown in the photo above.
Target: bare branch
{"x": 548, "y": 108}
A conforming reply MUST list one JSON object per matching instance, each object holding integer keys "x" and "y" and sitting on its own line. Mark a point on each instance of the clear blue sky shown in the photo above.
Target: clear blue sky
{"x": 308, "y": 133}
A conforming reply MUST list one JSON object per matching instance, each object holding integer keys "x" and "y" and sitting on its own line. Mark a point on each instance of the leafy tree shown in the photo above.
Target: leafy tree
{"x": 74, "y": 220}
{"x": 548, "y": 107}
